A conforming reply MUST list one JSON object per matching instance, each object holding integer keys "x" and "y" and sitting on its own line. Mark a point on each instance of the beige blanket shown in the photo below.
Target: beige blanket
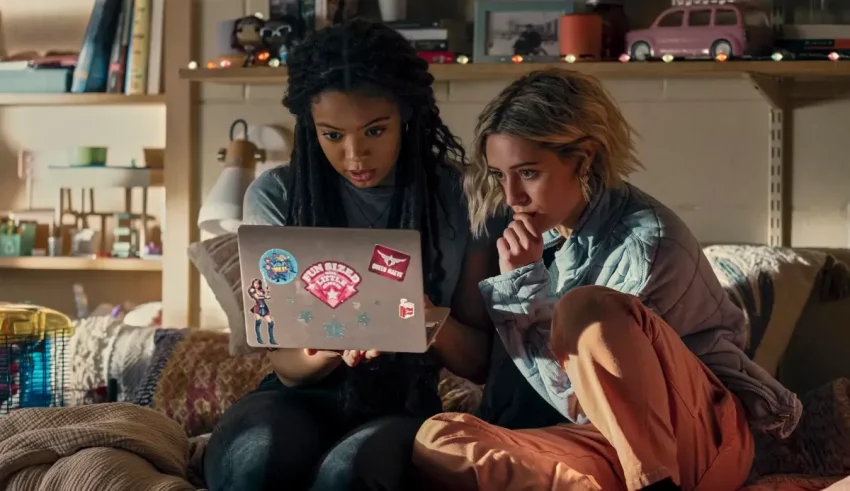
{"x": 100, "y": 447}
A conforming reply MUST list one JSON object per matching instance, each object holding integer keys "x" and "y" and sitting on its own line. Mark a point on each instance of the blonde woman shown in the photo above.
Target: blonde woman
{"x": 620, "y": 365}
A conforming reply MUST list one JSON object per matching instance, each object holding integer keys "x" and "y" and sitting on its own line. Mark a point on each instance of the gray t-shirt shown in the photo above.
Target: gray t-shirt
{"x": 266, "y": 204}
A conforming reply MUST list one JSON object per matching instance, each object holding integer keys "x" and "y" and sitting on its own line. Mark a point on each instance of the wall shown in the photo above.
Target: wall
{"x": 704, "y": 142}
{"x": 50, "y": 132}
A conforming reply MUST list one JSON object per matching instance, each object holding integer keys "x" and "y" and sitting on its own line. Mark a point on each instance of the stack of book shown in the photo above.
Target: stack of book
{"x": 121, "y": 53}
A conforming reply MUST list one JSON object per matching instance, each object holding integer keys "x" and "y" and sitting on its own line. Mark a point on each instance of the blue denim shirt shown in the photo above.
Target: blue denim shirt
{"x": 628, "y": 241}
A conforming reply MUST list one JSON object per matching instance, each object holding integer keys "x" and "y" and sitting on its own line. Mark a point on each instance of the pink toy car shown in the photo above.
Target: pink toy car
{"x": 703, "y": 31}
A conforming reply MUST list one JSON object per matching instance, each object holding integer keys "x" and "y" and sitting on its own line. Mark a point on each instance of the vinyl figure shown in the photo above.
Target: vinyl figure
{"x": 247, "y": 39}
{"x": 278, "y": 37}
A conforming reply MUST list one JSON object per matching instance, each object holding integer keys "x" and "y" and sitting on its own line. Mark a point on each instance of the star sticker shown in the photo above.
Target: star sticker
{"x": 363, "y": 319}
{"x": 333, "y": 295}
{"x": 334, "y": 329}
{"x": 306, "y": 316}
{"x": 377, "y": 302}
{"x": 290, "y": 299}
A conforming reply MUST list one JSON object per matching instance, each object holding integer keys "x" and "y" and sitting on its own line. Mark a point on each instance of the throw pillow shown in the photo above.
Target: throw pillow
{"x": 193, "y": 378}
{"x": 217, "y": 259}
{"x": 772, "y": 286}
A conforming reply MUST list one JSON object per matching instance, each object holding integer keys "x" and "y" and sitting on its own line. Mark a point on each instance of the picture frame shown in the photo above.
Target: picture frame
{"x": 498, "y": 34}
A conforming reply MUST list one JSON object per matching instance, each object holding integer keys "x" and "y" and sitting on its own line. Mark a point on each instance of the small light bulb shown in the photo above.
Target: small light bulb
{"x": 834, "y": 56}
{"x": 776, "y": 56}
{"x": 224, "y": 63}
{"x": 274, "y": 62}
{"x": 211, "y": 64}
{"x": 193, "y": 65}
{"x": 570, "y": 58}
{"x": 517, "y": 59}
{"x": 463, "y": 59}
{"x": 721, "y": 57}
{"x": 667, "y": 58}
{"x": 625, "y": 58}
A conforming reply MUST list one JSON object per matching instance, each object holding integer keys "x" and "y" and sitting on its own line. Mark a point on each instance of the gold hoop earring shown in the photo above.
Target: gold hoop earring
{"x": 585, "y": 186}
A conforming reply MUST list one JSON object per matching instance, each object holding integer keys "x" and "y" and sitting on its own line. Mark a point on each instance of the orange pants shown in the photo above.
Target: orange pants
{"x": 655, "y": 412}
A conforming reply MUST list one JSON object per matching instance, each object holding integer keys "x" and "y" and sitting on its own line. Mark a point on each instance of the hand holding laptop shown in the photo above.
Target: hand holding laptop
{"x": 350, "y": 357}
{"x": 353, "y": 357}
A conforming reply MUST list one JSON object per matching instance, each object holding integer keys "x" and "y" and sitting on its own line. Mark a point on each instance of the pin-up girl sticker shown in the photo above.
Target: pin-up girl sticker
{"x": 259, "y": 293}
{"x": 278, "y": 266}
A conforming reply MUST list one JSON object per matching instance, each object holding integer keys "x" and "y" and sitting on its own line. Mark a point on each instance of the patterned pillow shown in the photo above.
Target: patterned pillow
{"x": 772, "y": 286}
{"x": 193, "y": 378}
{"x": 217, "y": 259}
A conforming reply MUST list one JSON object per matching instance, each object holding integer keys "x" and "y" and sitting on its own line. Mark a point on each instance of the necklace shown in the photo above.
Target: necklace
{"x": 371, "y": 223}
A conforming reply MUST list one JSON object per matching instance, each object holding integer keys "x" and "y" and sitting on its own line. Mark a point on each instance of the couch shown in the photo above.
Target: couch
{"x": 797, "y": 302}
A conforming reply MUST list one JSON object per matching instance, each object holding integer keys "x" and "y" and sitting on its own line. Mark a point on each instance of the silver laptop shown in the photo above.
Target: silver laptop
{"x": 335, "y": 289}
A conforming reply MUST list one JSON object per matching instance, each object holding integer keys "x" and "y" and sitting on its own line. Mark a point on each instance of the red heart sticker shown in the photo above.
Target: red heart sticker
{"x": 389, "y": 263}
{"x": 331, "y": 282}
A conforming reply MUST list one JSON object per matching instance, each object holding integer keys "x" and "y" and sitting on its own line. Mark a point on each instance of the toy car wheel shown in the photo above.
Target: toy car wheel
{"x": 721, "y": 46}
{"x": 641, "y": 51}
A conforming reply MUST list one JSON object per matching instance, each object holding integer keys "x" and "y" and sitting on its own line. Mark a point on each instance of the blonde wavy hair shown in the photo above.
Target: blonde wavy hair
{"x": 556, "y": 108}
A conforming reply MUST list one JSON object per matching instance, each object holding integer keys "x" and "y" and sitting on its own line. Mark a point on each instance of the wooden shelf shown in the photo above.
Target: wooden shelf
{"x": 80, "y": 264}
{"x": 100, "y": 177}
{"x": 491, "y": 71}
{"x": 90, "y": 99}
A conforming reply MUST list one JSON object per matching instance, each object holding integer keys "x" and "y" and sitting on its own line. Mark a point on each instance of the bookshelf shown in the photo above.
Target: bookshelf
{"x": 80, "y": 264}
{"x": 507, "y": 71}
{"x": 91, "y": 99}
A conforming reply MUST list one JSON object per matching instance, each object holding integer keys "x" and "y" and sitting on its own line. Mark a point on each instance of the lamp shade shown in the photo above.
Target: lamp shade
{"x": 221, "y": 212}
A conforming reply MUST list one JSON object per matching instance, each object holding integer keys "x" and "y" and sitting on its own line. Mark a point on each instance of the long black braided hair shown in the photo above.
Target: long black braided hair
{"x": 372, "y": 59}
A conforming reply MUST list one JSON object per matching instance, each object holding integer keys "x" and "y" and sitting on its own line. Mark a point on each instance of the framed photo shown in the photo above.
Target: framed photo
{"x": 527, "y": 28}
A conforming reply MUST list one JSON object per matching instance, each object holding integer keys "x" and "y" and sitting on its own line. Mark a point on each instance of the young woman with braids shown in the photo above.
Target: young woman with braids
{"x": 370, "y": 151}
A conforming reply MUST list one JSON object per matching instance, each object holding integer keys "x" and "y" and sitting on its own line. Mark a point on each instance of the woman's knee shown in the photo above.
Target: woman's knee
{"x": 586, "y": 314}
{"x": 252, "y": 447}
{"x": 446, "y": 430}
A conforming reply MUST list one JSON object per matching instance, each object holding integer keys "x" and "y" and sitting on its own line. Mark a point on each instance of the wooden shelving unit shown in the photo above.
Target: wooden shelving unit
{"x": 80, "y": 264}
{"x": 509, "y": 71}
{"x": 97, "y": 99}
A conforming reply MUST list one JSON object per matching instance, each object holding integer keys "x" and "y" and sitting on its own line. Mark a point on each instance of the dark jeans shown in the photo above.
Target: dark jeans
{"x": 280, "y": 438}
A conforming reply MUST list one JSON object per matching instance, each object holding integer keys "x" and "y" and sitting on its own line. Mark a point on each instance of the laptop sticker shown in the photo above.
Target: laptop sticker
{"x": 389, "y": 263}
{"x": 259, "y": 293}
{"x": 405, "y": 309}
{"x": 334, "y": 328}
{"x": 363, "y": 319}
{"x": 278, "y": 266}
{"x": 305, "y": 317}
{"x": 331, "y": 282}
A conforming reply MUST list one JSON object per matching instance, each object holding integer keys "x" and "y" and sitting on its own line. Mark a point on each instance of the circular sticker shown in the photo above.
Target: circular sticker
{"x": 278, "y": 266}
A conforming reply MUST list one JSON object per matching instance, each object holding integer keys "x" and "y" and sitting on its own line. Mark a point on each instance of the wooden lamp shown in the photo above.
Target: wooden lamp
{"x": 221, "y": 212}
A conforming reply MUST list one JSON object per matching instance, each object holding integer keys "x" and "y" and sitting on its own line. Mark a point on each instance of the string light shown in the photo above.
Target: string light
{"x": 721, "y": 57}
{"x": 193, "y": 65}
{"x": 667, "y": 58}
{"x": 834, "y": 56}
{"x": 776, "y": 56}
{"x": 211, "y": 65}
{"x": 625, "y": 58}
{"x": 463, "y": 59}
{"x": 570, "y": 58}
{"x": 517, "y": 59}
{"x": 224, "y": 63}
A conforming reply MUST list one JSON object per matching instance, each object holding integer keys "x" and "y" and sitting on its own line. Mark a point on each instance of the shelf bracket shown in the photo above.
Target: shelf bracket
{"x": 772, "y": 89}
{"x": 775, "y": 93}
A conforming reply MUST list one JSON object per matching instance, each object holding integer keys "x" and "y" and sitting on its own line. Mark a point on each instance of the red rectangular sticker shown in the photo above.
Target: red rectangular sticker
{"x": 389, "y": 263}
